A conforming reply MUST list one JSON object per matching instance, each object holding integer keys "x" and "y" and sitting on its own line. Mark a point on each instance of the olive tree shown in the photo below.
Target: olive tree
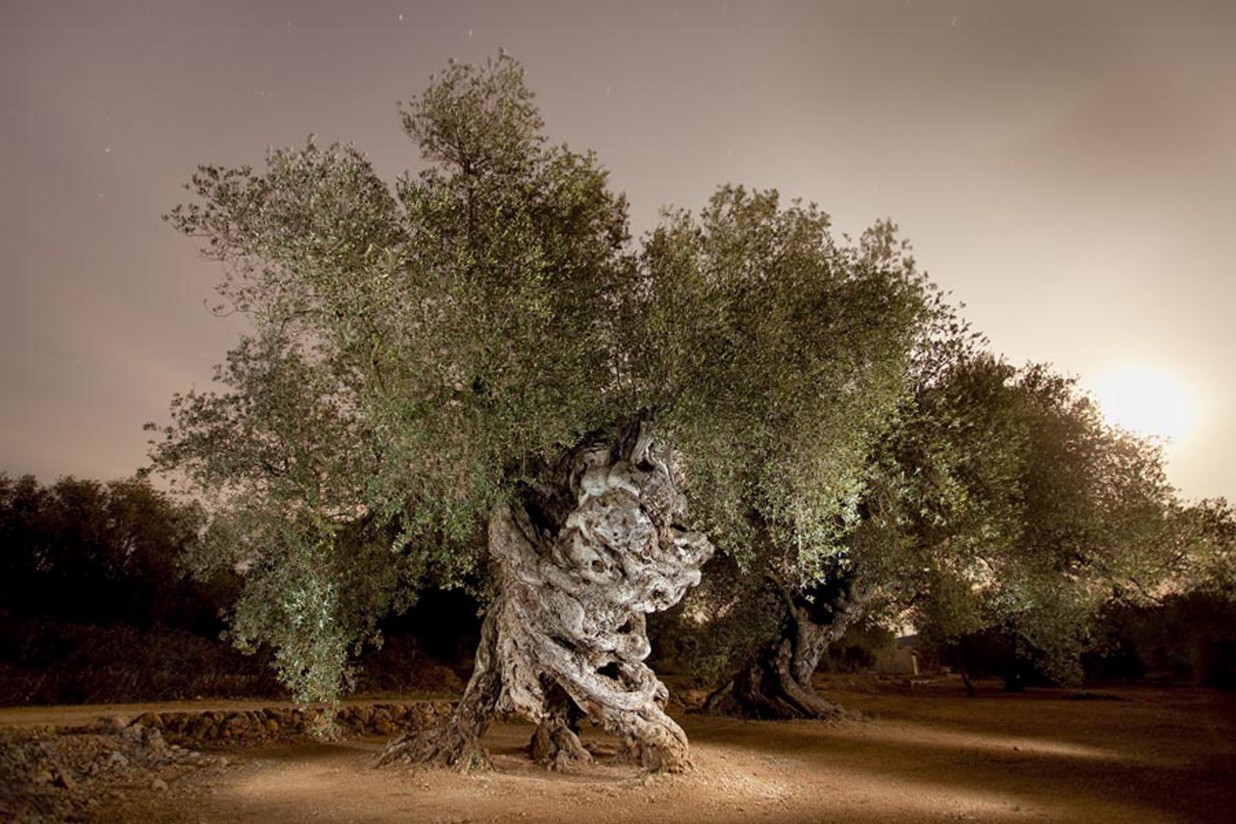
{"x": 1005, "y": 501}
{"x": 476, "y": 373}
{"x": 816, "y": 340}
{"x": 772, "y": 618}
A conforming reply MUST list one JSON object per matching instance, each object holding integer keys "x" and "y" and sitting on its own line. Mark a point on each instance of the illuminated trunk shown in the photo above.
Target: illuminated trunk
{"x": 581, "y": 562}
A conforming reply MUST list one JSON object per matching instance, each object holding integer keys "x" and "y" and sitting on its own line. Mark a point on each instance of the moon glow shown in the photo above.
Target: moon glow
{"x": 1147, "y": 401}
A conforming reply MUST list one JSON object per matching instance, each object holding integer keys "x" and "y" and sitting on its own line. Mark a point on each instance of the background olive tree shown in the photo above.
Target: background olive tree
{"x": 1048, "y": 513}
{"x": 1177, "y": 621}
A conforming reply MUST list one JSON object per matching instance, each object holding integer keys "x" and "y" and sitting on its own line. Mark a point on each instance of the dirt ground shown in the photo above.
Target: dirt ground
{"x": 927, "y": 753}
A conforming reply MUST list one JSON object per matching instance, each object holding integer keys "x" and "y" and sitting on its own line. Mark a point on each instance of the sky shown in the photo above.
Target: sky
{"x": 1065, "y": 169}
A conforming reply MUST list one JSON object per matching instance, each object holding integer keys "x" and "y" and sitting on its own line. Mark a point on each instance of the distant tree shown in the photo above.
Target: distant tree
{"x": 91, "y": 552}
{"x": 22, "y": 541}
{"x": 1181, "y": 621}
{"x": 476, "y": 375}
{"x": 1202, "y": 555}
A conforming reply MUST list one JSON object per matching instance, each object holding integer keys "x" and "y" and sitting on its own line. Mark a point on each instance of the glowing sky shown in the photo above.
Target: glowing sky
{"x": 1065, "y": 168}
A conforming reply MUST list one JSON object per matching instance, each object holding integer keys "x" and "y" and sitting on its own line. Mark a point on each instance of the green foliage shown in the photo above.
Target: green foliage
{"x": 417, "y": 355}
{"x": 420, "y": 355}
{"x": 1203, "y": 556}
{"x": 1180, "y": 622}
{"x": 773, "y": 357}
{"x": 784, "y": 356}
{"x": 1002, "y": 499}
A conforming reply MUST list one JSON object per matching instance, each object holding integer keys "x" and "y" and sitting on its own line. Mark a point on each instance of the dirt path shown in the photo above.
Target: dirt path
{"x": 1154, "y": 755}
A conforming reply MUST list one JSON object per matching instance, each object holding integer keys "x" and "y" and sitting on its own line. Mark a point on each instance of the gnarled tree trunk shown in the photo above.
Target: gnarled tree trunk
{"x": 775, "y": 682}
{"x": 581, "y": 562}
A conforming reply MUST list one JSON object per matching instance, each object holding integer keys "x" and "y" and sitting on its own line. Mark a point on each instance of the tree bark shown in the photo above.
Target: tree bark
{"x": 775, "y": 683}
{"x": 457, "y": 743}
{"x": 581, "y": 562}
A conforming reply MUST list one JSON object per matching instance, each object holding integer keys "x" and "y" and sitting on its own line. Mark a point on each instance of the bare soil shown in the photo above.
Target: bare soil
{"x": 924, "y": 752}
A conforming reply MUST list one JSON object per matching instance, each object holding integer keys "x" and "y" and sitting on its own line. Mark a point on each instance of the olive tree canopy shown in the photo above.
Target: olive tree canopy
{"x": 476, "y": 373}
